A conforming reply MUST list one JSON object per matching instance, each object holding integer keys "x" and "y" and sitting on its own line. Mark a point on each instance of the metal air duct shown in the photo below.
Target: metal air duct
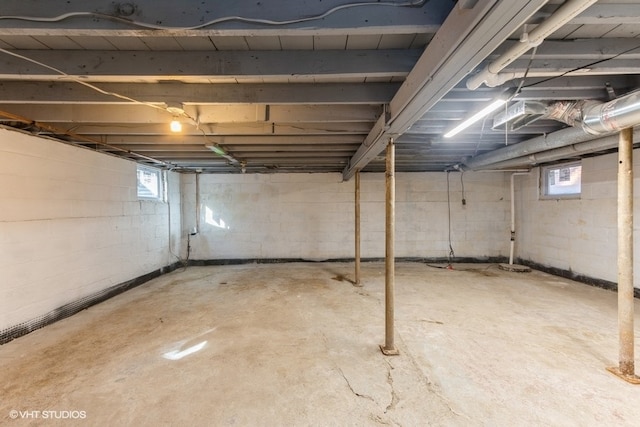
{"x": 595, "y": 119}
{"x": 612, "y": 116}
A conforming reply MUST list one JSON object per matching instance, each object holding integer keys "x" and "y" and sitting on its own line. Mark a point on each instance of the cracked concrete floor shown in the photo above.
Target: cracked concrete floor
{"x": 297, "y": 344}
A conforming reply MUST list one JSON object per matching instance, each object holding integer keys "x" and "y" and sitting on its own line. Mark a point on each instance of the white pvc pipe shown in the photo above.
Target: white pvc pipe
{"x": 513, "y": 215}
{"x": 564, "y": 14}
{"x": 197, "y": 225}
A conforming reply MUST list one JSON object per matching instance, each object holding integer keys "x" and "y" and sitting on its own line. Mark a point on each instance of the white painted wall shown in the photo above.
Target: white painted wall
{"x": 71, "y": 225}
{"x": 311, "y": 216}
{"x": 576, "y": 235}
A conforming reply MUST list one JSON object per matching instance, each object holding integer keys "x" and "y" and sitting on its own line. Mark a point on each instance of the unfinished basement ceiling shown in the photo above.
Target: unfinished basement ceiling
{"x": 299, "y": 86}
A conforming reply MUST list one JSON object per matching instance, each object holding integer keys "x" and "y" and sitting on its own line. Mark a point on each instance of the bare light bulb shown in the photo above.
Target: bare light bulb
{"x": 175, "y": 126}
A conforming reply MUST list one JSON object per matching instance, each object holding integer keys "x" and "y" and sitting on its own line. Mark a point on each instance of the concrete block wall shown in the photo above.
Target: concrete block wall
{"x": 311, "y": 216}
{"x": 71, "y": 225}
{"x": 577, "y": 235}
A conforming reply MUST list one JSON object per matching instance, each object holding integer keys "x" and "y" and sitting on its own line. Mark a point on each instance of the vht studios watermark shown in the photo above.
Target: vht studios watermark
{"x": 49, "y": 414}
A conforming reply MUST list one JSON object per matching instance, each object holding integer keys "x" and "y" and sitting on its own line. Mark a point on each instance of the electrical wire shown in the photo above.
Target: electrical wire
{"x": 79, "y": 81}
{"x": 229, "y": 157}
{"x": 232, "y": 159}
{"x": 57, "y": 131}
{"x": 213, "y": 21}
{"x": 526, "y": 73}
{"x": 69, "y": 15}
{"x": 451, "y": 252}
{"x": 582, "y": 67}
{"x": 464, "y": 200}
{"x": 506, "y": 128}
{"x": 484, "y": 121}
{"x": 517, "y": 91}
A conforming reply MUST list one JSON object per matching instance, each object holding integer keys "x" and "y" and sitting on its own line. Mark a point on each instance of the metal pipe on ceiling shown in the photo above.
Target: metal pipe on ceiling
{"x": 489, "y": 75}
{"x": 597, "y": 117}
{"x": 615, "y": 115}
{"x": 594, "y": 120}
{"x": 569, "y": 151}
{"x": 538, "y": 144}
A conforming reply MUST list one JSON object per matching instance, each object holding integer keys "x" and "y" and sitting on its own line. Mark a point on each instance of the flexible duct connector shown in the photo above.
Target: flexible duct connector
{"x": 569, "y": 112}
{"x": 597, "y": 118}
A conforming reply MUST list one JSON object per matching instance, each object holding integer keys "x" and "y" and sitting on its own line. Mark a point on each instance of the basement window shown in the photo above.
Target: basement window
{"x": 150, "y": 183}
{"x": 561, "y": 181}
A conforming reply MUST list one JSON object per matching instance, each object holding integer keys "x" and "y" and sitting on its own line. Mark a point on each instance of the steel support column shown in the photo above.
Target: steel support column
{"x": 389, "y": 347}
{"x": 626, "y": 368}
{"x": 357, "y": 219}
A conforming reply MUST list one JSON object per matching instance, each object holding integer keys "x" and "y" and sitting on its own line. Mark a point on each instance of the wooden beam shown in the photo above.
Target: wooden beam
{"x": 37, "y": 92}
{"x": 230, "y": 129}
{"x": 151, "y": 66}
{"x": 105, "y": 18}
{"x": 465, "y": 39}
{"x": 237, "y": 113}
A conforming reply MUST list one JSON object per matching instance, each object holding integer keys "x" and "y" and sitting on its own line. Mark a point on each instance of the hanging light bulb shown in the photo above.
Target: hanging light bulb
{"x": 177, "y": 110}
{"x": 175, "y": 125}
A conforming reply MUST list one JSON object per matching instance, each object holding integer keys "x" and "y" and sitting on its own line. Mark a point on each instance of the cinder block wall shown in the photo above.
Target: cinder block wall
{"x": 71, "y": 225}
{"x": 577, "y": 235}
{"x": 311, "y": 216}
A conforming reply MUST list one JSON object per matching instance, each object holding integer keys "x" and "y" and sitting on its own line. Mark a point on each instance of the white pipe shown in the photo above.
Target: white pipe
{"x": 513, "y": 215}
{"x": 560, "y": 17}
{"x": 495, "y": 80}
{"x": 197, "y": 225}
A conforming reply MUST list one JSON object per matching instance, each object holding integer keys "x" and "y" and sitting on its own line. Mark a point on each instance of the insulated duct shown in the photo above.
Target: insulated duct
{"x": 569, "y": 112}
{"x": 598, "y": 118}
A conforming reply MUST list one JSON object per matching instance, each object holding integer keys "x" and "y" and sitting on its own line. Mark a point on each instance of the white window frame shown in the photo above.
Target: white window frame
{"x": 546, "y": 184}
{"x": 157, "y": 194}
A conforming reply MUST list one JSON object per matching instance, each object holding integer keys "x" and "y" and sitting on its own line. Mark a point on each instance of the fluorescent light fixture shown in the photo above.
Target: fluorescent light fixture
{"x": 502, "y": 100}
{"x": 217, "y": 149}
{"x": 175, "y": 126}
{"x": 222, "y": 153}
{"x": 520, "y": 114}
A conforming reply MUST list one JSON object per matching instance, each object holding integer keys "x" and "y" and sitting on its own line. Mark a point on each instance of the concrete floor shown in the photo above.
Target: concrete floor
{"x": 297, "y": 344}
